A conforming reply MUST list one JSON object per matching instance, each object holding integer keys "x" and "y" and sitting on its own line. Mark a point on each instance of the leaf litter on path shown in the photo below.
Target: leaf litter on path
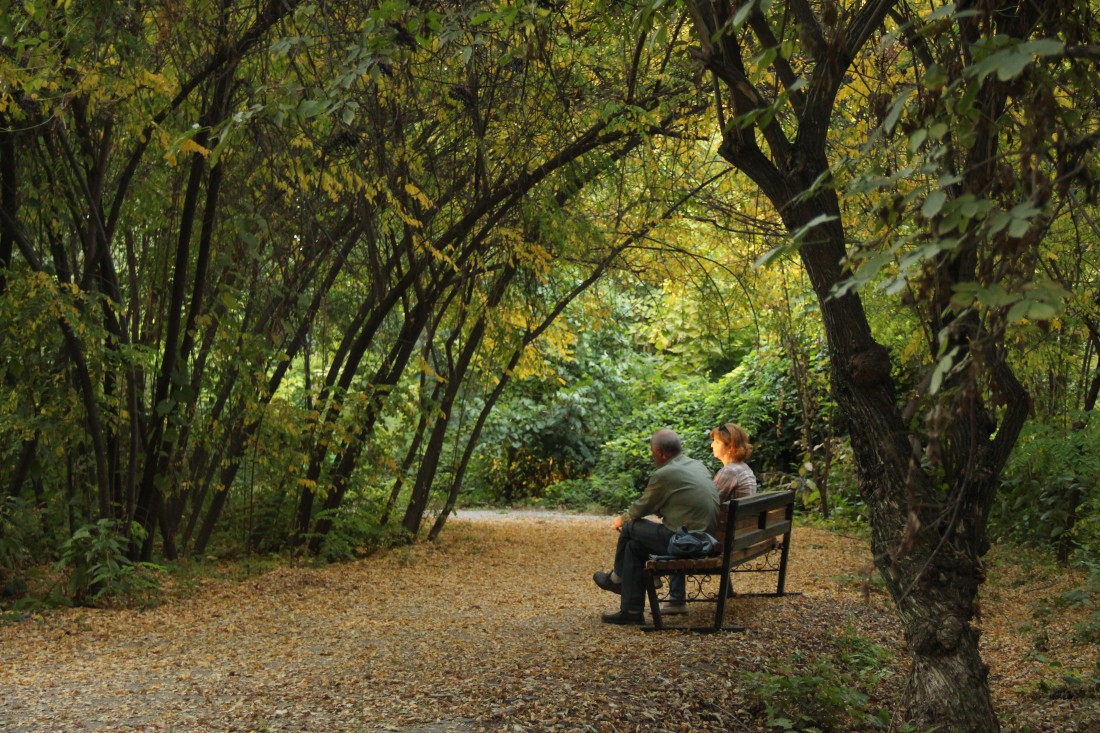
{"x": 493, "y": 628}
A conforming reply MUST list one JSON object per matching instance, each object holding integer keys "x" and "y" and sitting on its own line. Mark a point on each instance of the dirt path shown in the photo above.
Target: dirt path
{"x": 494, "y": 628}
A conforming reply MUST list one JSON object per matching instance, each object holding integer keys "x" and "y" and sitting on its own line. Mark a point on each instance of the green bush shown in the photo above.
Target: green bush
{"x": 355, "y": 533}
{"x": 16, "y": 519}
{"x": 590, "y": 494}
{"x": 1051, "y": 475}
{"x": 824, "y": 694}
{"x": 548, "y": 431}
{"x": 585, "y": 442}
{"x": 760, "y": 396}
{"x": 97, "y": 569}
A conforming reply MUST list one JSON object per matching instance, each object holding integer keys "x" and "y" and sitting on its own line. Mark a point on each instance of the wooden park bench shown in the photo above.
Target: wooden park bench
{"x": 754, "y": 537}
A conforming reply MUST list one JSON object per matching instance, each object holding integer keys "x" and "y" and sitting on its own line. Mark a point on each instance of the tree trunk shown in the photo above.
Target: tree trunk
{"x": 421, "y": 428}
{"x": 928, "y": 556}
{"x": 928, "y": 528}
{"x": 353, "y": 347}
{"x": 457, "y": 369}
{"x": 9, "y": 199}
{"x": 158, "y": 447}
{"x": 386, "y": 377}
{"x": 472, "y": 441}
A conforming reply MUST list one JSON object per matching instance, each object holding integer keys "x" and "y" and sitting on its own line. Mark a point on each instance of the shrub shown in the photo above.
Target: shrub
{"x": 15, "y": 522}
{"x": 97, "y": 569}
{"x": 1049, "y": 497}
{"x": 355, "y": 533}
{"x": 824, "y": 694}
{"x": 590, "y": 494}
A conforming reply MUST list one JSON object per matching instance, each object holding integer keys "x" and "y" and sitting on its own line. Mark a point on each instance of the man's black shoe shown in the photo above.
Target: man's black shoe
{"x": 624, "y": 618}
{"x": 604, "y": 581}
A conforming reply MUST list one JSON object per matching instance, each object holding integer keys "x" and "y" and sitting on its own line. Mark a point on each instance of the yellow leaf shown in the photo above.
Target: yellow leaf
{"x": 419, "y": 195}
{"x": 190, "y": 146}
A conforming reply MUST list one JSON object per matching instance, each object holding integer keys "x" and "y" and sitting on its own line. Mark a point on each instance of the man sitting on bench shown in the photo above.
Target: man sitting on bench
{"x": 682, "y": 493}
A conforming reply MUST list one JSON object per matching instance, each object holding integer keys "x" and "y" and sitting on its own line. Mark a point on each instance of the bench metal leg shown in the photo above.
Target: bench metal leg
{"x": 654, "y": 604}
{"x": 781, "y": 582}
{"x": 723, "y": 593}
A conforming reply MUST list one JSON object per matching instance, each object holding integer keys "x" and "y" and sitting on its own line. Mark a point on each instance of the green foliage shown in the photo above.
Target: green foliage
{"x": 590, "y": 494}
{"x": 270, "y": 520}
{"x": 628, "y": 454}
{"x": 97, "y": 568}
{"x": 16, "y": 520}
{"x": 1050, "y": 480}
{"x": 822, "y": 694}
{"x": 550, "y": 430}
{"x": 355, "y": 532}
{"x": 531, "y": 445}
{"x": 760, "y": 395}
{"x": 584, "y": 443}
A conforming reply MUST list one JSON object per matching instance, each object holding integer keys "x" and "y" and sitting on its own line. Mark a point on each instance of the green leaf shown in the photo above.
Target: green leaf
{"x": 917, "y": 139}
{"x": 1011, "y": 60}
{"x": 1045, "y": 47}
{"x": 933, "y": 204}
{"x": 742, "y": 14}
{"x": 943, "y": 367}
{"x": 1018, "y": 227}
{"x": 1041, "y": 311}
{"x": 944, "y": 11}
{"x": 1017, "y": 312}
{"x": 817, "y": 221}
{"x": 896, "y": 110}
{"x": 999, "y": 221}
{"x": 1011, "y": 64}
{"x": 310, "y": 108}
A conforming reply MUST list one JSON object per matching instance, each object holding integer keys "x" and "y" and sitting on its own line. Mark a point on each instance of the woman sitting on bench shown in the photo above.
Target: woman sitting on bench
{"x": 734, "y": 480}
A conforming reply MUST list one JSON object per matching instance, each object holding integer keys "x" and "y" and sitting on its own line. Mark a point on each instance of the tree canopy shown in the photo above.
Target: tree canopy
{"x": 310, "y": 275}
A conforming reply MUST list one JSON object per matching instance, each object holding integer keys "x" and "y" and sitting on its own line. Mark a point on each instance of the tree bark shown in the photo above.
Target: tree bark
{"x": 9, "y": 199}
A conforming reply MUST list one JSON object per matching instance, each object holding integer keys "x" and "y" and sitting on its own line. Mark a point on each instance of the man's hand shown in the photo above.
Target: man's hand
{"x": 617, "y": 524}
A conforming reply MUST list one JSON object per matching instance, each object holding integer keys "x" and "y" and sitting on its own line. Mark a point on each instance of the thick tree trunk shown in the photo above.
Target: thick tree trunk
{"x": 927, "y": 554}
{"x": 926, "y": 538}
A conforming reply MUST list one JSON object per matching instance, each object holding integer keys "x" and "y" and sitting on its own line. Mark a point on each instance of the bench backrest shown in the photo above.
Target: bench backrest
{"x": 755, "y": 519}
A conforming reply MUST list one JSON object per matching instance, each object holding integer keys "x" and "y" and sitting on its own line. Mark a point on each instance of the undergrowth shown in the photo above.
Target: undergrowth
{"x": 823, "y": 694}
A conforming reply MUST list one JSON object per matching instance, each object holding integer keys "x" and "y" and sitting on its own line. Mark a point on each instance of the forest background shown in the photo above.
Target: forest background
{"x": 290, "y": 276}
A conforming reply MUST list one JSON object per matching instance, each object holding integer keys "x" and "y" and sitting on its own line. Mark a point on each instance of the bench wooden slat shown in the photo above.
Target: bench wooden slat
{"x": 749, "y": 539}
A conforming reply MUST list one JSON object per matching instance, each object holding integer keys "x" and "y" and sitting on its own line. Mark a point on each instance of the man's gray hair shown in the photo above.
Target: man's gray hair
{"x": 667, "y": 442}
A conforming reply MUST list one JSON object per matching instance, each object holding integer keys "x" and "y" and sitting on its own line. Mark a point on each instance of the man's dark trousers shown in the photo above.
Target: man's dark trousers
{"x": 638, "y": 539}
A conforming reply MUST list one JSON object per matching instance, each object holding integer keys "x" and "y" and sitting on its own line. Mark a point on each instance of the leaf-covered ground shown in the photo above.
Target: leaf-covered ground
{"x": 496, "y": 628}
